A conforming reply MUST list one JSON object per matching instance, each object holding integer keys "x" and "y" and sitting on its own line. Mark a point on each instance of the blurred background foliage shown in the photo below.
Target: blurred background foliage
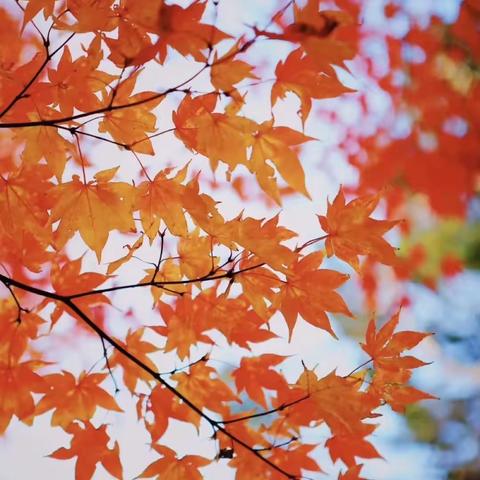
{"x": 418, "y": 75}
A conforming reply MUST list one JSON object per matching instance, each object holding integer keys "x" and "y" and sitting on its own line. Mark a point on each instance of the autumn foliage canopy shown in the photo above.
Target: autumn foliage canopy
{"x": 85, "y": 236}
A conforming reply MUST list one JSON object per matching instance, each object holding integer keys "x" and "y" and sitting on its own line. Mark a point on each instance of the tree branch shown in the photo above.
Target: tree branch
{"x": 217, "y": 425}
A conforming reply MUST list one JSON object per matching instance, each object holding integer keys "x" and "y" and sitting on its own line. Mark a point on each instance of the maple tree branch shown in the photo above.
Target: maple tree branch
{"x": 203, "y": 358}
{"x": 277, "y": 445}
{"x": 205, "y": 278}
{"x": 110, "y": 107}
{"x": 75, "y": 131}
{"x": 160, "y": 256}
{"x": 281, "y": 407}
{"x": 107, "y": 364}
{"x": 107, "y": 109}
{"x": 311, "y": 242}
{"x": 68, "y": 302}
{"x": 358, "y": 368}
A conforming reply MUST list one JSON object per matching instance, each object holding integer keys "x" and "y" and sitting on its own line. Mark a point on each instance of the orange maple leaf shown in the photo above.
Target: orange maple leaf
{"x": 90, "y": 17}
{"x": 76, "y": 83}
{"x": 67, "y": 280}
{"x": 161, "y": 199}
{"x": 170, "y": 467}
{"x": 181, "y": 29}
{"x": 195, "y": 255}
{"x": 255, "y": 373}
{"x": 129, "y": 126}
{"x": 164, "y": 405}
{"x": 18, "y": 381}
{"x": 347, "y": 447}
{"x": 202, "y": 383}
{"x": 259, "y": 285}
{"x": 45, "y": 143}
{"x": 218, "y": 136}
{"x": 185, "y": 324}
{"x": 19, "y": 200}
{"x": 300, "y": 74}
{"x": 227, "y": 71}
{"x": 393, "y": 371}
{"x": 234, "y": 318}
{"x": 90, "y": 446}
{"x": 385, "y": 347}
{"x": 274, "y": 143}
{"x": 34, "y": 7}
{"x": 74, "y": 399}
{"x": 327, "y": 36}
{"x": 16, "y": 331}
{"x": 263, "y": 239}
{"x": 309, "y": 292}
{"x": 93, "y": 209}
{"x": 140, "y": 348}
{"x": 351, "y": 231}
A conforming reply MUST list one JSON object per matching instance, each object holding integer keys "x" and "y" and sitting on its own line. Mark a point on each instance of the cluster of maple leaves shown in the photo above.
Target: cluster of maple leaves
{"x": 424, "y": 148}
{"x": 228, "y": 276}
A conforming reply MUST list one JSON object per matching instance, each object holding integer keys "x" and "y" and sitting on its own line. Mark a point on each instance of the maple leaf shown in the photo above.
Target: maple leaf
{"x": 34, "y": 7}
{"x": 76, "y": 82}
{"x": 90, "y": 17}
{"x": 202, "y": 384}
{"x": 234, "y": 318}
{"x": 274, "y": 143}
{"x": 351, "y": 231}
{"x": 90, "y": 446}
{"x": 17, "y": 383}
{"x": 181, "y": 29}
{"x": 93, "y": 209}
{"x": 227, "y": 71}
{"x": 133, "y": 46}
{"x": 195, "y": 255}
{"x": 129, "y": 126}
{"x": 309, "y": 292}
{"x": 185, "y": 325}
{"x": 45, "y": 143}
{"x": 168, "y": 272}
{"x": 140, "y": 348}
{"x": 28, "y": 240}
{"x": 203, "y": 211}
{"x": 67, "y": 280}
{"x": 74, "y": 399}
{"x": 347, "y": 447}
{"x": 255, "y": 374}
{"x": 393, "y": 371}
{"x": 336, "y": 400}
{"x": 295, "y": 459}
{"x": 164, "y": 405}
{"x": 16, "y": 330}
{"x": 385, "y": 347}
{"x": 218, "y": 136}
{"x": 263, "y": 239}
{"x": 259, "y": 285}
{"x": 327, "y": 36}
{"x": 161, "y": 199}
{"x": 300, "y": 74}
{"x": 393, "y": 388}
{"x": 170, "y": 467}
